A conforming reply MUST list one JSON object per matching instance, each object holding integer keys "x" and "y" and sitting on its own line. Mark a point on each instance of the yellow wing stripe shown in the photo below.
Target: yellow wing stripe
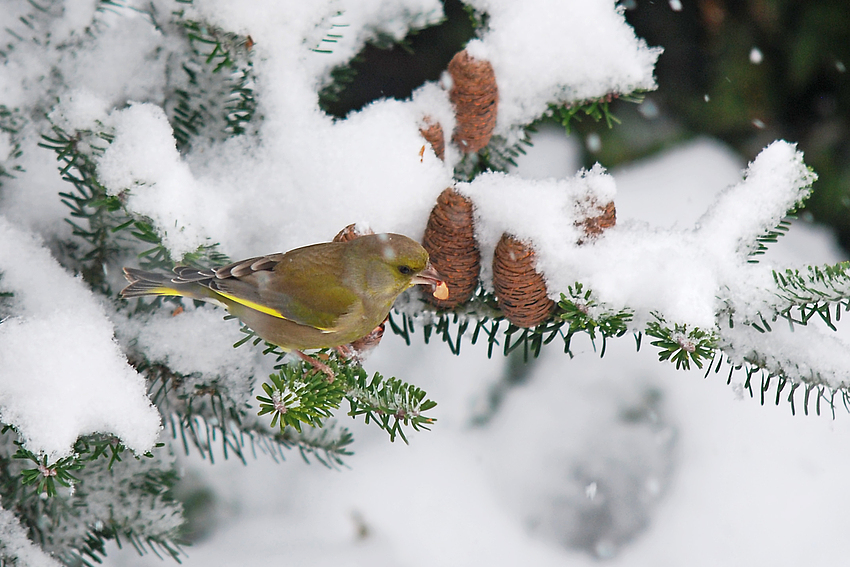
{"x": 260, "y": 307}
{"x": 255, "y": 306}
{"x": 163, "y": 291}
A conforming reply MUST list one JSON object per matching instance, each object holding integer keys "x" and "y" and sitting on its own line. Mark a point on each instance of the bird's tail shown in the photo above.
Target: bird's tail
{"x": 152, "y": 283}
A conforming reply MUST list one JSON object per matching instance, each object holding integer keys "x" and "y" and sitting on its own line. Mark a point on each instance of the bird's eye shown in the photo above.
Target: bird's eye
{"x": 405, "y": 270}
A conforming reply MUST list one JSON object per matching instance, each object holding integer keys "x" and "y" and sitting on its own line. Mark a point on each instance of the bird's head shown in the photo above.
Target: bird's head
{"x": 392, "y": 263}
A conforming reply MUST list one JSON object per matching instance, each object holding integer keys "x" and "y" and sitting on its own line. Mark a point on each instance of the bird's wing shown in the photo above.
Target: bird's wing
{"x": 303, "y": 286}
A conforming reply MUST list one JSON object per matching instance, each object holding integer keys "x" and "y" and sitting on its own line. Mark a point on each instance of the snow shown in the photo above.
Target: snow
{"x": 541, "y": 61}
{"x": 15, "y": 543}
{"x": 679, "y": 271}
{"x": 143, "y": 161}
{"x": 62, "y": 375}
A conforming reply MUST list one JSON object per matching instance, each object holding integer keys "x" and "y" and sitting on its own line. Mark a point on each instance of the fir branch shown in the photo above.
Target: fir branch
{"x": 584, "y": 314}
{"x": 814, "y": 293}
{"x": 200, "y": 413}
{"x": 760, "y": 376}
{"x": 97, "y": 218}
{"x": 11, "y": 123}
{"x": 300, "y": 394}
{"x": 101, "y": 220}
{"x": 497, "y": 155}
{"x": 597, "y": 109}
{"x": 680, "y": 345}
{"x": 216, "y": 97}
{"x": 331, "y": 37}
{"x": 391, "y": 404}
{"x": 296, "y": 396}
{"x": 74, "y": 524}
{"x": 770, "y": 236}
{"x": 341, "y": 77}
{"x": 578, "y": 311}
{"x": 46, "y": 475}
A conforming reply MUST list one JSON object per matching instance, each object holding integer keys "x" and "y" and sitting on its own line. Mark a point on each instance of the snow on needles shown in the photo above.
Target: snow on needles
{"x": 143, "y": 160}
{"x": 580, "y": 50}
{"x": 678, "y": 272}
{"x": 62, "y": 375}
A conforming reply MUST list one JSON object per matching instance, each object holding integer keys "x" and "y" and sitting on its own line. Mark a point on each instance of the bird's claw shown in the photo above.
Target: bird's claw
{"x": 317, "y": 365}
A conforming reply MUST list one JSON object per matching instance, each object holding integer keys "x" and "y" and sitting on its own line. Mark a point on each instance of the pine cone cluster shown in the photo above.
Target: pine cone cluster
{"x": 449, "y": 236}
{"x": 519, "y": 288}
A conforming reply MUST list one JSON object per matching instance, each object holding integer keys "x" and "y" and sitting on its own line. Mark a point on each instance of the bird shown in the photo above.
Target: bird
{"x": 324, "y": 295}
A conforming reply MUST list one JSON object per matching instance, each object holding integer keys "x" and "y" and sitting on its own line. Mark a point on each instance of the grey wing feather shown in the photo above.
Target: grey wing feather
{"x": 246, "y": 267}
{"x": 186, "y": 274}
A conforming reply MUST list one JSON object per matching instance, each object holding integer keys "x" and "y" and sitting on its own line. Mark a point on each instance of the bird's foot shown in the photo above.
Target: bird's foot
{"x": 317, "y": 364}
{"x": 359, "y": 349}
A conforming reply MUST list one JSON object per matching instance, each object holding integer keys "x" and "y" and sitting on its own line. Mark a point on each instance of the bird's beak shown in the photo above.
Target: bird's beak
{"x": 430, "y": 276}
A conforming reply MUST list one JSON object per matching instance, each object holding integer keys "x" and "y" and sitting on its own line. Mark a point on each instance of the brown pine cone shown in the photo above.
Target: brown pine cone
{"x": 520, "y": 289}
{"x": 475, "y": 96}
{"x": 450, "y": 241}
{"x": 434, "y": 135}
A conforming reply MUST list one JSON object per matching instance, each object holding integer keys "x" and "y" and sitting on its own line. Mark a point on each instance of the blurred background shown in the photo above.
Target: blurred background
{"x": 745, "y": 72}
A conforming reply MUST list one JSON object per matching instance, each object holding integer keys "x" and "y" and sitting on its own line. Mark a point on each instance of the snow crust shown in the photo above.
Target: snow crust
{"x": 581, "y": 50}
{"x": 62, "y": 374}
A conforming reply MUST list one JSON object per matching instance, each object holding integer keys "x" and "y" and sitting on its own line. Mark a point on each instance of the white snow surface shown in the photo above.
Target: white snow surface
{"x": 62, "y": 374}
{"x": 680, "y": 272}
{"x": 14, "y": 542}
{"x": 580, "y": 50}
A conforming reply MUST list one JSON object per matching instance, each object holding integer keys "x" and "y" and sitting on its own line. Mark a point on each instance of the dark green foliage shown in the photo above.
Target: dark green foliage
{"x": 333, "y": 35}
{"x": 423, "y": 55}
{"x": 391, "y": 404}
{"x": 296, "y": 395}
{"x": 480, "y": 319}
{"x": 104, "y": 491}
{"x": 681, "y": 345}
{"x": 96, "y": 216}
{"x": 497, "y": 155}
{"x": 105, "y": 230}
{"x": 769, "y": 237}
{"x": 301, "y": 394}
{"x": 584, "y": 314}
{"x": 214, "y": 88}
{"x": 799, "y": 91}
{"x": 11, "y": 123}
{"x": 46, "y": 475}
{"x": 815, "y": 292}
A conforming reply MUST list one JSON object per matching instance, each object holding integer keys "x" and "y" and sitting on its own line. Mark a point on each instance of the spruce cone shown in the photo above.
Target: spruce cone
{"x": 604, "y": 217}
{"x": 520, "y": 290}
{"x": 450, "y": 241}
{"x": 350, "y": 233}
{"x": 434, "y": 135}
{"x": 475, "y": 97}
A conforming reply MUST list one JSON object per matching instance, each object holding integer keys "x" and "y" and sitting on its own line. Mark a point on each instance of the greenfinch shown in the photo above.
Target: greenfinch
{"x": 319, "y": 296}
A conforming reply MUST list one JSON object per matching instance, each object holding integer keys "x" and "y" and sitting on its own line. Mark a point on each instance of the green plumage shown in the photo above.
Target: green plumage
{"x": 318, "y": 296}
